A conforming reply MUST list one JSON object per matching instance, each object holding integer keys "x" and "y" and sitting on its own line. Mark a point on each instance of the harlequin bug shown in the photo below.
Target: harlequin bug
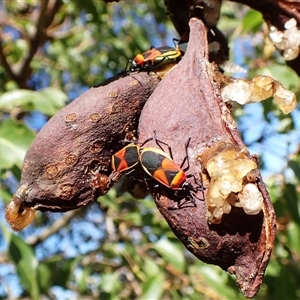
{"x": 155, "y": 58}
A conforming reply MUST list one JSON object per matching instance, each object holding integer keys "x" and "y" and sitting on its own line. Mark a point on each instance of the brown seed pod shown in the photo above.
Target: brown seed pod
{"x": 68, "y": 164}
{"x": 187, "y": 104}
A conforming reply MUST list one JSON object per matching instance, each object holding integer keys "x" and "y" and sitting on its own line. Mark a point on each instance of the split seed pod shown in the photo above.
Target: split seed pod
{"x": 187, "y": 104}
{"x": 69, "y": 162}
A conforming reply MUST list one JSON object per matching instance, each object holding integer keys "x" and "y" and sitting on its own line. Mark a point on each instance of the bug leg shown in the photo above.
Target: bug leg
{"x": 186, "y": 159}
{"x": 190, "y": 197}
{"x": 135, "y": 142}
{"x": 127, "y": 68}
{"x": 158, "y": 143}
{"x": 198, "y": 188}
{"x": 176, "y": 42}
{"x": 146, "y": 141}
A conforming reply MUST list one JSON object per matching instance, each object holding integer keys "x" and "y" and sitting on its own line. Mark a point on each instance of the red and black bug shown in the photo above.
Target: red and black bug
{"x": 158, "y": 165}
{"x": 126, "y": 158}
{"x": 155, "y": 58}
{"x": 161, "y": 166}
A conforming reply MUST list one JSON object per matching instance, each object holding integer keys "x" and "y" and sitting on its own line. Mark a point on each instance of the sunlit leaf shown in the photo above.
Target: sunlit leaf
{"x": 48, "y": 100}
{"x": 82, "y": 280}
{"x": 109, "y": 282}
{"x": 153, "y": 288}
{"x": 26, "y": 263}
{"x": 150, "y": 267}
{"x": 293, "y": 234}
{"x": 252, "y": 21}
{"x": 44, "y": 277}
{"x": 213, "y": 282}
{"x": 135, "y": 218}
{"x": 15, "y": 138}
{"x": 284, "y": 74}
{"x": 5, "y": 196}
{"x": 170, "y": 253}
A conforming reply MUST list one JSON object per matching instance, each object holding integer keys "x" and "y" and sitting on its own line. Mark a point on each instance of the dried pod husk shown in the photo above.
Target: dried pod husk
{"x": 187, "y": 104}
{"x": 68, "y": 164}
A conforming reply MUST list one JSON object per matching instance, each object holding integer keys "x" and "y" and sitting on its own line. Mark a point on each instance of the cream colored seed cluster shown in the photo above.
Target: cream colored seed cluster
{"x": 259, "y": 88}
{"x": 227, "y": 188}
{"x": 288, "y": 41}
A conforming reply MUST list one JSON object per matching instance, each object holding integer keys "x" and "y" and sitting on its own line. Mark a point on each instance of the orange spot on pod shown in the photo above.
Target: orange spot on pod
{"x": 96, "y": 147}
{"x": 72, "y": 117}
{"x": 71, "y": 159}
{"x": 112, "y": 94}
{"x": 66, "y": 191}
{"x": 51, "y": 171}
{"x": 198, "y": 243}
{"x": 116, "y": 108}
{"x": 95, "y": 117}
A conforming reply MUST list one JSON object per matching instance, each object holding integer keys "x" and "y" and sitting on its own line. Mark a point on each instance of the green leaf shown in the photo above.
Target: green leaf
{"x": 283, "y": 286}
{"x": 153, "y": 287}
{"x": 109, "y": 199}
{"x": 216, "y": 281}
{"x": 109, "y": 282}
{"x": 293, "y": 234}
{"x": 294, "y": 165}
{"x": 284, "y": 74}
{"x": 48, "y": 100}
{"x": 26, "y": 263}
{"x": 61, "y": 269}
{"x": 44, "y": 277}
{"x": 82, "y": 280}
{"x": 150, "y": 267}
{"x": 15, "y": 138}
{"x": 252, "y": 21}
{"x": 292, "y": 202}
{"x": 170, "y": 253}
{"x": 135, "y": 218}
{"x": 5, "y": 196}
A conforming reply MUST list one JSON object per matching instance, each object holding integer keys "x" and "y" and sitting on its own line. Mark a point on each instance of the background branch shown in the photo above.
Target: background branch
{"x": 54, "y": 228}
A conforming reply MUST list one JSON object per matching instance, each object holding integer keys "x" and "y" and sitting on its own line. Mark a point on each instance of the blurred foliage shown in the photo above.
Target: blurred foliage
{"x": 120, "y": 247}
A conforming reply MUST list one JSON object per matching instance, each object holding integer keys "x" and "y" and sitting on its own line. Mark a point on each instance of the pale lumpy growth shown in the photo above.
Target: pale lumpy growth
{"x": 251, "y": 199}
{"x": 258, "y": 89}
{"x": 287, "y": 41}
{"x": 227, "y": 167}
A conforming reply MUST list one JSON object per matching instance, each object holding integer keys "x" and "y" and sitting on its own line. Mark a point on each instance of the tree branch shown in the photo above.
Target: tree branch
{"x": 54, "y": 228}
{"x": 46, "y": 16}
{"x": 25, "y": 70}
{"x": 4, "y": 61}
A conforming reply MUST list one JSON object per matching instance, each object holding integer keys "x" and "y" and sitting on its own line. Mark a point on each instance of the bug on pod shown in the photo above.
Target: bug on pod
{"x": 155, "y": 58}
{"x": 158, "y": 165}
